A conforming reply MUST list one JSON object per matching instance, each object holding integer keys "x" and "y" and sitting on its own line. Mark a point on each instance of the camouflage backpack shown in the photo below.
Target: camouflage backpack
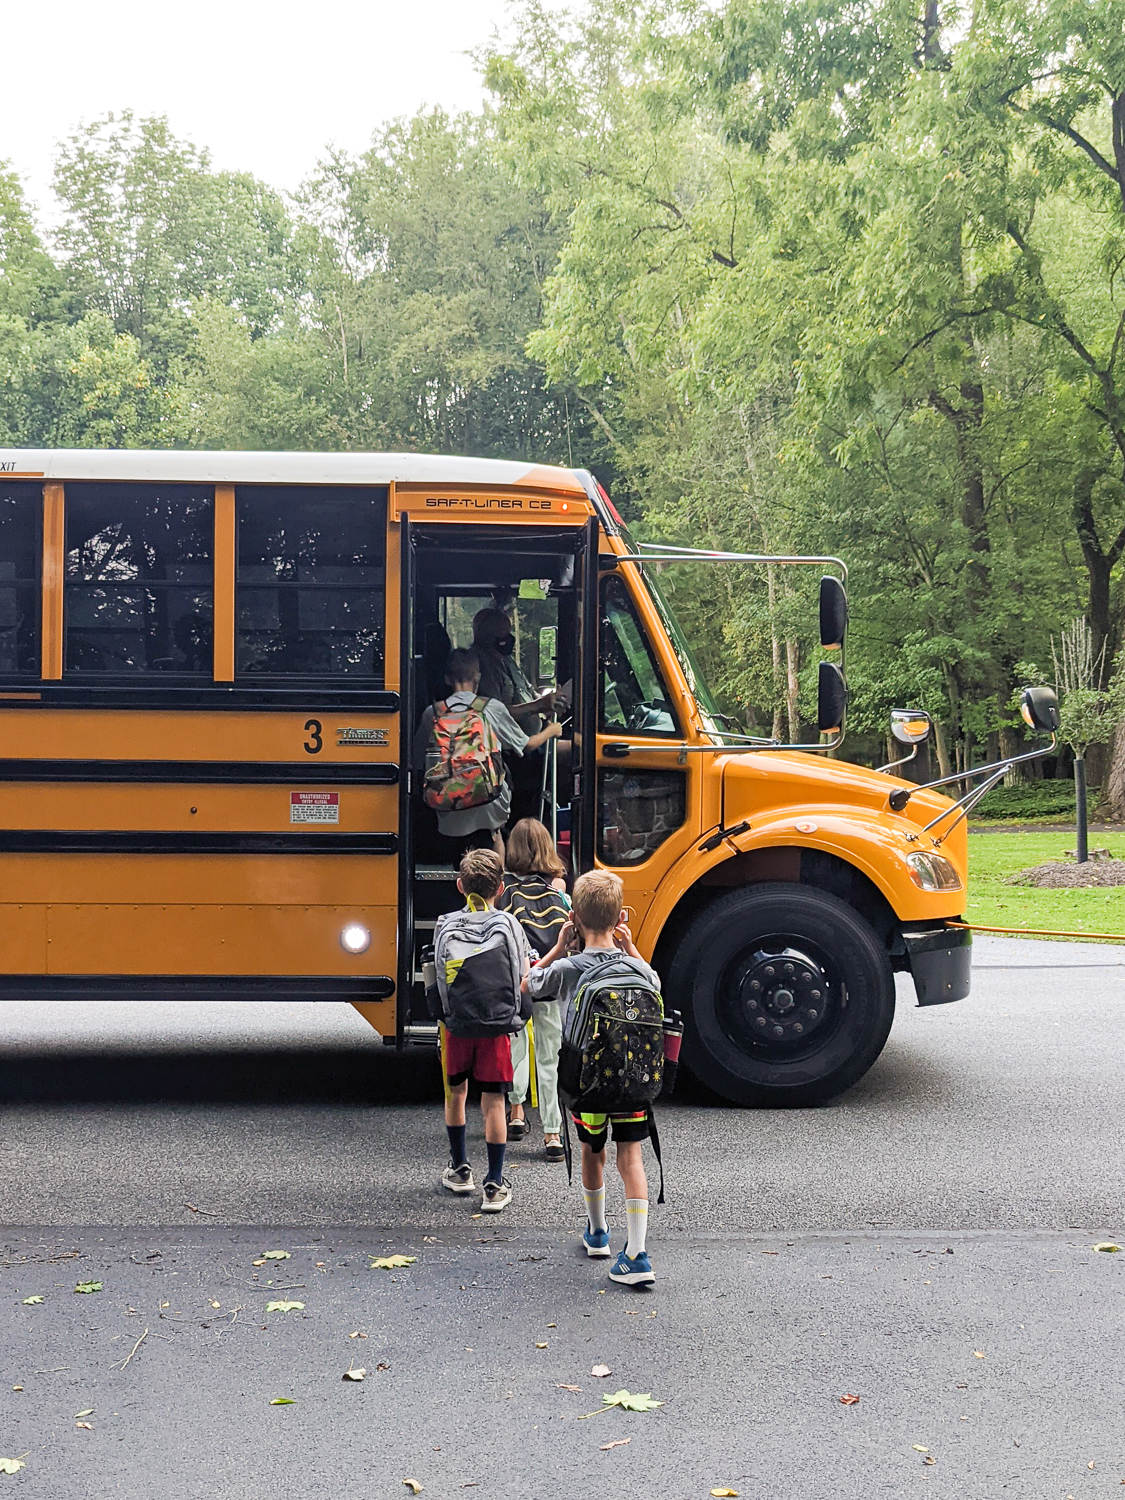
{"x": 464, "y": 766}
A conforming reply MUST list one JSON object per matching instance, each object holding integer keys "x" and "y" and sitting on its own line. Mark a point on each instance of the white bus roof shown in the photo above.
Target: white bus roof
{"x": 148, "y": 464}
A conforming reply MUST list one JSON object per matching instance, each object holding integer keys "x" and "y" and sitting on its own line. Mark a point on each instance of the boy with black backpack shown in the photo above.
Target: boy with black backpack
{"x": 480, "y": 958}
{"x": 608, "y": 972}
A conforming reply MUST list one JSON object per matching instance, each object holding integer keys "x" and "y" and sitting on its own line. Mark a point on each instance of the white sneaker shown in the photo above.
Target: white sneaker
{"x": 458, "y": 1179}
{"x": 497, "y": 1195}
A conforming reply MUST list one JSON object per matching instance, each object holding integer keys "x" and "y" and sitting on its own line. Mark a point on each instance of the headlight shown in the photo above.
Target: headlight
{"x": 933, "y": 872}
{"x": 355, "y": 938}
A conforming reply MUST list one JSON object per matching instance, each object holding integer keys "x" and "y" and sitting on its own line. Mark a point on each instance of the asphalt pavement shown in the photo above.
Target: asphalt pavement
{"x": 925, "y": 1243}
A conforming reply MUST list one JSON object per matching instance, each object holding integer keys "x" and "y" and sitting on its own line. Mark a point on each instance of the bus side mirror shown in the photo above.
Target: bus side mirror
{"x": 548, "y": 651}
{"x": 831, "y": 699}
{"x": 833, "y": 613}
{"x": 1040, "y": 709}
{"x": 910, "y": 726}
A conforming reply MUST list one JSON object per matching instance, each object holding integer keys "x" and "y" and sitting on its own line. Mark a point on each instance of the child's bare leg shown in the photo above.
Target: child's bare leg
{"x": 631, "y": 1166}
{"x": 455, "y": 1096}
{"x": 593, "y": 1192}
{"x": 495, "y": 1120}
{"x": 593, "y": 1167}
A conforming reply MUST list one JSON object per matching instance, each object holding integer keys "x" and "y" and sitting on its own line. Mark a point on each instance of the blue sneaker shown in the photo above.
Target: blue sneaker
{"x": 596, "y": 1242}
{"x": 635, "y": 1272}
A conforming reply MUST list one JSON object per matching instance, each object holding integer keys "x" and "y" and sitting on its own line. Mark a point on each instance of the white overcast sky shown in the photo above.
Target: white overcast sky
{"x": 266, "y": 87}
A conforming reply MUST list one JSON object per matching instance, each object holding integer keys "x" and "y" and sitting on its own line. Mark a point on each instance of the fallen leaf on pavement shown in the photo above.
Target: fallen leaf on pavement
{"x": 392, "y": 1263}
{"x": 601, "y": 1371}
{"x": 276, "y": 1255}
{"x": 283, "y": 1401}
{"x": 918, "y": 1448}
{"x": 87, "y": 1425}
{"x": 723, "y": 1492}
{"x": 11, "y": 1465}
{"x": 978, "y": 1353}
{"x": 849, "y": 1400}
{"x": 31, "y": 1301}
{"x": 284, "y": 1306}
{"x": 382, "y": 1367}
{"x": 930, "y": 1461}
{"x": 627, "y": 1402}
{"x": 414, "y": 1485}
{"x": 88, "y": 1286}
{"x": 257, "y": 1262}
{"x": 617, "y": 1443}
{"x": 1108, "y": 1246}
{"x": 354, "y": 1374}
{"x": 214, "y": 1304}
{"x": 89, "y": 1412}
{"x": 541, "y": 1346}
{"x": 561, "y": 1387}
{"x": 1090, "y": 1465}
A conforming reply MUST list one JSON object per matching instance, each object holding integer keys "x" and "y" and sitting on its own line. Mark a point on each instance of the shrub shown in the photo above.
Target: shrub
{"x": 1032, "y": 799}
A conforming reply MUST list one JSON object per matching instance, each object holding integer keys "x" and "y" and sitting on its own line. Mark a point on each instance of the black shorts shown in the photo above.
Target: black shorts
{"x": 593, "y": 1130}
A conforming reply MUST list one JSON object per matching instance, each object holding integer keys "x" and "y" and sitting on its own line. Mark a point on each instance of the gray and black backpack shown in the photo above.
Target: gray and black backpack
{"x": 479, "y": 958}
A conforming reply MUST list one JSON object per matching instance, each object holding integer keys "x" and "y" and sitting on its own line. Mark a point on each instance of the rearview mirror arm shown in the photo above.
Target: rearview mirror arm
{"x": 902, "y": 795}
{"x": 905, "y": 761}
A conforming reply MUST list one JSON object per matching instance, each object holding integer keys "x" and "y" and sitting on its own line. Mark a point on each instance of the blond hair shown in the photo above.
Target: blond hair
{"x": 531, "y": 852}
{"x": 481, "y": 872}
{"x": 597, "y": 900}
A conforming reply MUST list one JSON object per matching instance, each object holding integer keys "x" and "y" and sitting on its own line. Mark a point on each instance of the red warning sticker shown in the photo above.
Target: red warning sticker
{"x": 314, "y": 807}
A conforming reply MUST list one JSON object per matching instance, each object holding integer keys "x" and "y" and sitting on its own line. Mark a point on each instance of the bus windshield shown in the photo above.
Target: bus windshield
{"x": 714, "y": 722}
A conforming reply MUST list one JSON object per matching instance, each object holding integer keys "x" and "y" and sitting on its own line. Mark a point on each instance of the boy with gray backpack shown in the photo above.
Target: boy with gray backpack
{"x": 613, "y": 1065}
{"x": 480, "y": 957}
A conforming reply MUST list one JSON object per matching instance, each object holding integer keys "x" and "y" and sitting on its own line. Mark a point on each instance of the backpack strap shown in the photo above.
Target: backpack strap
{"x": 480, "y": 704}
{"x": 654, "y": 1137}
{"x": 568, "y": 1149}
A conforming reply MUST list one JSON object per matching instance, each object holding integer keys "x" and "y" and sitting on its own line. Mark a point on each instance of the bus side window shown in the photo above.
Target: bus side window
{"x": 637, "y": 811}
{"x": 311, "y": 581}
{"x": 139, "y": 579}
{"x": 21, "y": 508}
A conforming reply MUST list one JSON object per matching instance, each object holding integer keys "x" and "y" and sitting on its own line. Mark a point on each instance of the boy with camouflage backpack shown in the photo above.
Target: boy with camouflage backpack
{"x": 458, "y": 748}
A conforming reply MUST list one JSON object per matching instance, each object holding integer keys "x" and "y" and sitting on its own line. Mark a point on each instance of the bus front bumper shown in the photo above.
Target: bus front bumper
{"x": 940, "y": 960}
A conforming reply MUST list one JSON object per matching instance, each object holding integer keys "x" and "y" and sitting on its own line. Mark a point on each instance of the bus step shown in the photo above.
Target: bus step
{"x": 445, "y": 874}
{"x": 421, "y": 1036}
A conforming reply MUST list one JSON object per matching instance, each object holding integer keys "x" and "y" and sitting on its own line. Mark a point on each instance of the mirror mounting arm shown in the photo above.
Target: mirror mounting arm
{"x": 902, "y": 795}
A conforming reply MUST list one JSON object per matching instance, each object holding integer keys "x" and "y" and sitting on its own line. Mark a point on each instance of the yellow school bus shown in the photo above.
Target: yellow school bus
{"x": 212, "y": 666}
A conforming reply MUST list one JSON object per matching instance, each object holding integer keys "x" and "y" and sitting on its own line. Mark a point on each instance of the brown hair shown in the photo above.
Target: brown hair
{"x": 481, "y": 872}
{"x": 462, "y": 666}
{"x": 597, "y": 900}
{"x": 531, "y": 852}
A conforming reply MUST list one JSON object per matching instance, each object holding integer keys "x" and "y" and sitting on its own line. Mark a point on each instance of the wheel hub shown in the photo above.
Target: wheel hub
{"x": 783, "y": 996}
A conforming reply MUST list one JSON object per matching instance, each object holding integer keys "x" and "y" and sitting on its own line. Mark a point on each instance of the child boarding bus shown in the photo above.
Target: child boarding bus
{"x": 212, "y": 666}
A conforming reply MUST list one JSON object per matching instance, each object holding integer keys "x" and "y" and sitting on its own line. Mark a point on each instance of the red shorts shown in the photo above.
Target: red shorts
{"x": 487, "y": 1059}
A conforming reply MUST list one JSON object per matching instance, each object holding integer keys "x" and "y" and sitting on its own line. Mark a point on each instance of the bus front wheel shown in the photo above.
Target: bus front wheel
{"x": 787, "y": 994}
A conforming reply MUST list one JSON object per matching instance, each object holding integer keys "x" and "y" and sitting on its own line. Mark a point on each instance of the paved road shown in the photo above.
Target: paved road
{"x": 1005, "y": 1111}
{"x": 911, "y": 1244}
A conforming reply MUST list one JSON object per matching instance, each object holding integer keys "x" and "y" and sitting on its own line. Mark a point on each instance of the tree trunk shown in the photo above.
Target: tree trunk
{"x": 942, "y": 748}
{"x": 1113, "y": 787}
{"x": 793, "y": 689}
{"x": 1011, "y": 744}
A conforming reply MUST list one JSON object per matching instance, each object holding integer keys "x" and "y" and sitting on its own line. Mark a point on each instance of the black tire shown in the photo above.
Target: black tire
{"x": 787, "y": 993}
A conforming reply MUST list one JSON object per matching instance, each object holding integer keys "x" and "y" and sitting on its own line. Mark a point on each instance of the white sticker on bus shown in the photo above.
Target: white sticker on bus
{"x": 314, "y": 807}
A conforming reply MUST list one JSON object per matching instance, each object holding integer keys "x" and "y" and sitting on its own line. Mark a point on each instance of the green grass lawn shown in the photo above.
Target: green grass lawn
{"x": 993, "y": 856}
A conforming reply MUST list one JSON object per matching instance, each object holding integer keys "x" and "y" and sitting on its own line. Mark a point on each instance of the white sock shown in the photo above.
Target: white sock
{"x": 595, "y": 1207}
{"x": 636, "y": 1214}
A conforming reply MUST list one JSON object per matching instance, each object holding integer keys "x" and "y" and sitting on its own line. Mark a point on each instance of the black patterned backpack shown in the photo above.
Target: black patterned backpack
{"x": 612, "y": 1058}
